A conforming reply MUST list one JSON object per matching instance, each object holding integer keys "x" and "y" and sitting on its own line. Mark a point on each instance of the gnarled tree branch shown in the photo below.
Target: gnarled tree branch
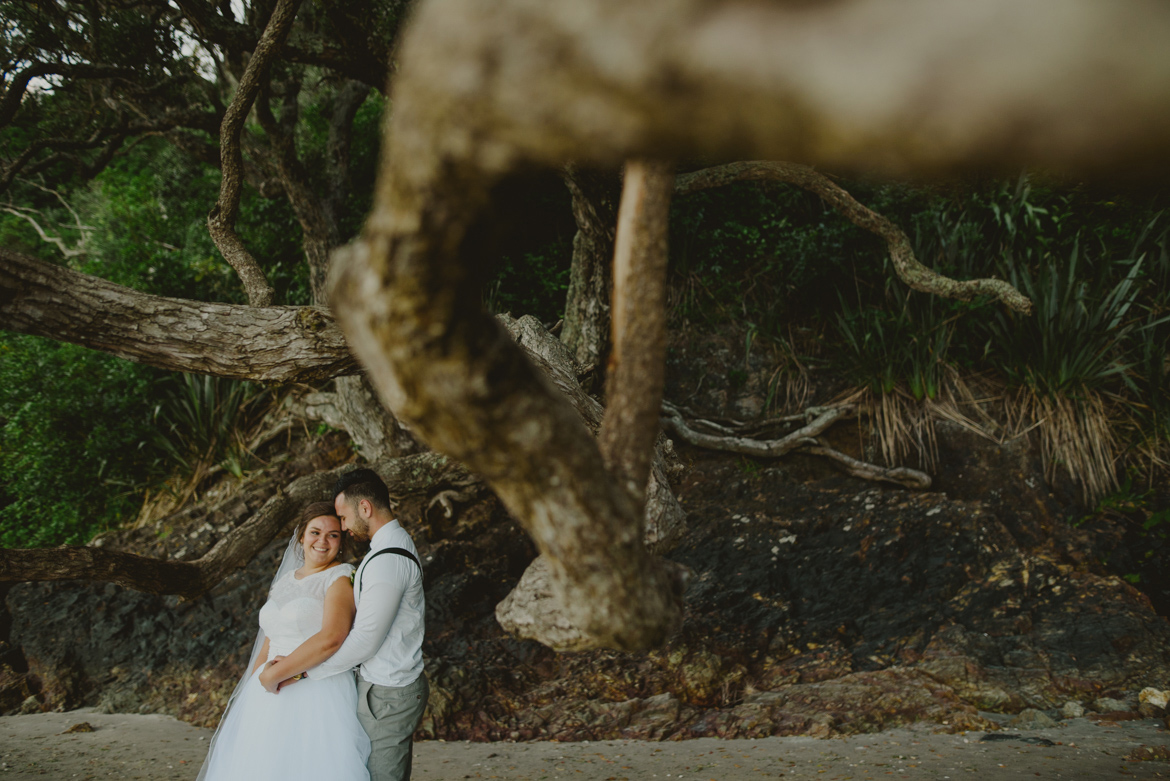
{"x": 270, "y": 344}
{"x": 908, "y": 268}
{"x": 848, "y": 85}
{"x": 221, "y": 221}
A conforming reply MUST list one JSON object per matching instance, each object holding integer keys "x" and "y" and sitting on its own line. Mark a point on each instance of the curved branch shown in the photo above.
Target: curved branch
{"x": 65, "y": 249}
{"x": 909, "y": 269}
{"x": 13, "y": 96}
{"x": 899, "y": 475}
{"x": 637, "y": 371}
{"x": 270, "y": 344}
{"x": 221, "y": 221}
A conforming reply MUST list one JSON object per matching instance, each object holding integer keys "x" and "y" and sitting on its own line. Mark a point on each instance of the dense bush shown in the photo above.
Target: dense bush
{"x": 78, "y": 444}
{"x": 75, "y": 440}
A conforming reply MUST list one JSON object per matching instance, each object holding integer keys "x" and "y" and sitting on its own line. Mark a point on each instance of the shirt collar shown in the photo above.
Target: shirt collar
{"x": 382, "y": 536}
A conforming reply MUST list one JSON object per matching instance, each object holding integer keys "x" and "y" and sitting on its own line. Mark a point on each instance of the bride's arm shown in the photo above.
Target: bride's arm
{"x": 261, "y": 657}
{"x": 335, "y": 626}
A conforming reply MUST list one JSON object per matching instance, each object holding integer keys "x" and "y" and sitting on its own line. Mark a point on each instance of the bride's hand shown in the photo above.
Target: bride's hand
{"x": 269, "y": 681}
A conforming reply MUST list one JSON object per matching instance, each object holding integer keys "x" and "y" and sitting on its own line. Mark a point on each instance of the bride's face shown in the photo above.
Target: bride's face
{"x": 321, "y": 540}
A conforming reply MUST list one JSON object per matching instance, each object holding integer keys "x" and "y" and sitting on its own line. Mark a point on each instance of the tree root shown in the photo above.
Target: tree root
{"x": 804, "y": 440}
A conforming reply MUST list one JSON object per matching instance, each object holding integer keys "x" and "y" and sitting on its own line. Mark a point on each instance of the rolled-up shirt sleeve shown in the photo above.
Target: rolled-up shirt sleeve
{"x": 385, "y": 582}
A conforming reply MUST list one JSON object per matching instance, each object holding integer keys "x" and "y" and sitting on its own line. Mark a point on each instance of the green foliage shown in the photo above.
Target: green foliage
{"x": 533, "y": 283}
{"x": 767, "y": 253}
{"x": 149, "y": 214}
{"x": 906, "y": 338}
{"x": 748, "y": 467}
{"x": 203, "y": 420}
{"x": 1075, "y": 338}
{"x": 75, "y": 440}
{"x": 1149, "y": 379}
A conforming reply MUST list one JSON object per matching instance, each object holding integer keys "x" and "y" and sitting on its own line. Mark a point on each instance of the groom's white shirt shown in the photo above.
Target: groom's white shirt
{"x": 386, "y": 639}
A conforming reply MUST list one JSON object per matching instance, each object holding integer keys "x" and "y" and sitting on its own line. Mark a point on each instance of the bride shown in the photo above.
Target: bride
{"x": 309, "y": 730}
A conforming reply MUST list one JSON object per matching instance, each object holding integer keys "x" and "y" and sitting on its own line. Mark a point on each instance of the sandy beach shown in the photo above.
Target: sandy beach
{"x": 127, "y": 746}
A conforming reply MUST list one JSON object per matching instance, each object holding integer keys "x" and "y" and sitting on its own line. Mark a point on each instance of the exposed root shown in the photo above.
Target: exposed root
{"x": 731, "y": 438}
{"x": 447, "y": 498}
{"x": 901, "y": 475}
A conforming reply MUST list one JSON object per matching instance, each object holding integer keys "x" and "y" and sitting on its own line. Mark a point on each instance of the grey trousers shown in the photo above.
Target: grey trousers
{"x": 390, "y": 715}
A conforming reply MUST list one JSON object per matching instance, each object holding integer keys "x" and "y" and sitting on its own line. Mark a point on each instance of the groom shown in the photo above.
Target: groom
{"x": 386, "y": 639}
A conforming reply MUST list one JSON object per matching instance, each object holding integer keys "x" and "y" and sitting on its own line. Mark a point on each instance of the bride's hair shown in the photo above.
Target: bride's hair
{"x": 316, "y": 510}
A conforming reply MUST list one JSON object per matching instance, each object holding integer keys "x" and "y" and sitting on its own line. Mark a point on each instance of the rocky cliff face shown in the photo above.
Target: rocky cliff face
{"x": 819, "y": 605}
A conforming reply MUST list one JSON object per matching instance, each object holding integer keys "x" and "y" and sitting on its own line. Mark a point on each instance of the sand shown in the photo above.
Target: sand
{"x": 126, "y": 746}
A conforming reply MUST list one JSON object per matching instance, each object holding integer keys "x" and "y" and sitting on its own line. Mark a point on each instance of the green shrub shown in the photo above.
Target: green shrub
{"x": 75, "y": 440}
{"x": 533, "y": 283}
{"x": 1075, "y": 337}
{"x": 203, "y": 422}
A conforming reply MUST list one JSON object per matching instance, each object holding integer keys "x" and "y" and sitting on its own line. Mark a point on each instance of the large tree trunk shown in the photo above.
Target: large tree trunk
{"x": 354, "y": 407}
{"x": 586, "y": 329}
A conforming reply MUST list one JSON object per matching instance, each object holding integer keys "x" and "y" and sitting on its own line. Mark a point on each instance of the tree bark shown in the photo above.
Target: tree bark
{"x": 268, "y": 344}
{"x": 586, "y": 329}
{"x": 637, "y": 366}
{"x": 452, "y": 373}
{"x": 221, "y": 221}
{"x": 354, "y": 407}
{"x": 664, "y": 519}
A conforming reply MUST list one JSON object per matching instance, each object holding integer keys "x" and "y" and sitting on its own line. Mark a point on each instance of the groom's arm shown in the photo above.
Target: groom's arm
{"x": 381, "y": 596}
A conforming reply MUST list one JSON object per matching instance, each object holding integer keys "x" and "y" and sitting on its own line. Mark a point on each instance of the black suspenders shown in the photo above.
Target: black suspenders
{"x": 399, "y": 551}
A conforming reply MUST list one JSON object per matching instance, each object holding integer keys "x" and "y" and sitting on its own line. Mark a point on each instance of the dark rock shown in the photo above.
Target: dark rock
{"x": 1014, "y": 738}
{"x": 820, "y": 605}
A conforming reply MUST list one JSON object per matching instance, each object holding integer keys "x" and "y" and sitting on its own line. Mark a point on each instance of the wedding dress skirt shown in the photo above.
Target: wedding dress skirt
{"x": 309, "y": 731}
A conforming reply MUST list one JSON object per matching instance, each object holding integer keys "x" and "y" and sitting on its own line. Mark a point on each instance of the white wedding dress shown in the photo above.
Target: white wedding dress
{"x": 309, "y": 730}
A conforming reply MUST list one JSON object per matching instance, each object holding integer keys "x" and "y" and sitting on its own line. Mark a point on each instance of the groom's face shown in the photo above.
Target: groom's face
{"x": 351, "y": 517}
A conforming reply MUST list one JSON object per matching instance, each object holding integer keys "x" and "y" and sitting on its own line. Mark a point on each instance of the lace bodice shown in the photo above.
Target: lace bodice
{"x": 295, "y": 608}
